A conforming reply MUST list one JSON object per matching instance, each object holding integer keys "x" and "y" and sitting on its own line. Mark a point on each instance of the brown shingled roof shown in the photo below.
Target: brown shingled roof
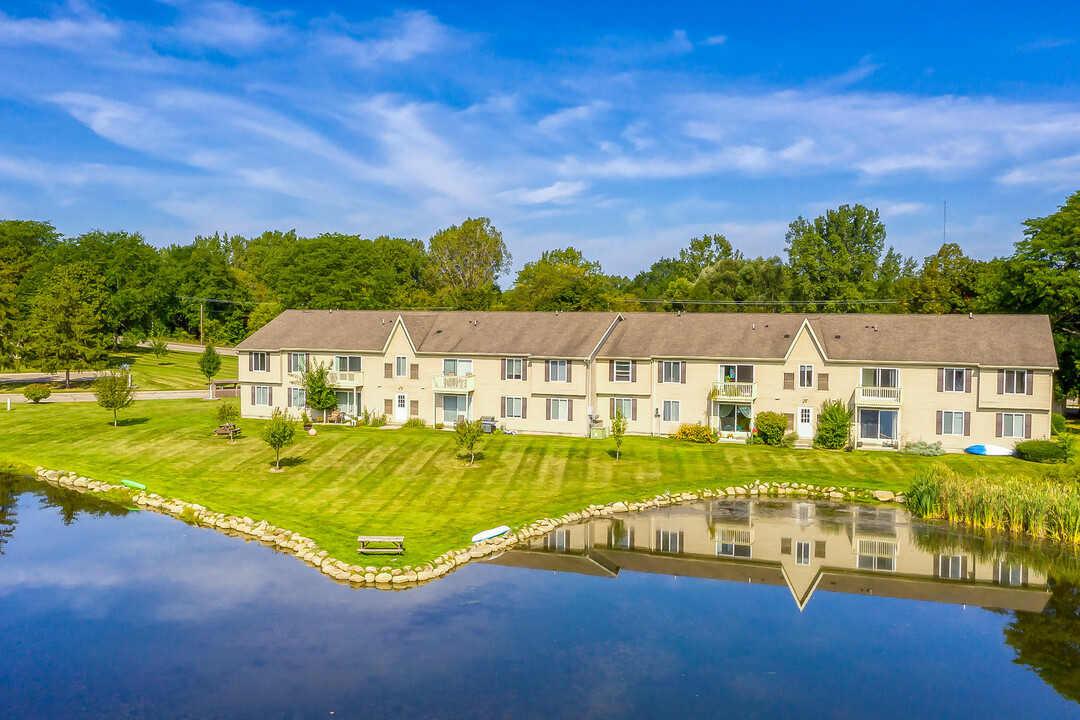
{"x": 994, "y": 340}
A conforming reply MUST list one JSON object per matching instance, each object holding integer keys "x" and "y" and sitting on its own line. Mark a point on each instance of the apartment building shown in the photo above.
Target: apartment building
{"x": 954, "y": 379}
{"x": 806, "y": 546}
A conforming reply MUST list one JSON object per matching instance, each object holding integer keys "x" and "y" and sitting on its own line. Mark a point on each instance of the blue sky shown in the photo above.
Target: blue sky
{"x": 623, "y": 129}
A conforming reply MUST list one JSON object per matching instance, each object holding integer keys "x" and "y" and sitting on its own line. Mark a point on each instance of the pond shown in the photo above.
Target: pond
{"x": 765, "y": 608}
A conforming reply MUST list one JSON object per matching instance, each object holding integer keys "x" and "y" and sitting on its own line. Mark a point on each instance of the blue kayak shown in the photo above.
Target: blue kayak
{"x": 990, "y": 450}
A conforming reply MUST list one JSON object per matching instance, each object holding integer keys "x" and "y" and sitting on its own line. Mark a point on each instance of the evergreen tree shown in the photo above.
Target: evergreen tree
{"x": 66, "y": 327}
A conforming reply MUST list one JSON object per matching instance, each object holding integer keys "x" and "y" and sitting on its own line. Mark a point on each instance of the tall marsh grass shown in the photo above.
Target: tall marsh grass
{"x": 1041, "y": 506}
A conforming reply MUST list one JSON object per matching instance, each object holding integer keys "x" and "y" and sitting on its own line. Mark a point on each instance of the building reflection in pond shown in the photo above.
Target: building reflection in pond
{"x": 807, "y": 546}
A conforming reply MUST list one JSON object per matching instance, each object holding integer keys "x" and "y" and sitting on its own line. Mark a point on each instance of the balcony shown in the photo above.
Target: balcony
{"x": 882, "y": 397}
{"x": 345, "y": 379}
{"x": 734, "y": 391}
{"x": 454, "y": 383}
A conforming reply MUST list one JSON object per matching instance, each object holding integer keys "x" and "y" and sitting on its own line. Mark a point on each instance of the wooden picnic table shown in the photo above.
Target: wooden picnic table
{"x": 224, "y": 430}
{"x": 398, "y": 542}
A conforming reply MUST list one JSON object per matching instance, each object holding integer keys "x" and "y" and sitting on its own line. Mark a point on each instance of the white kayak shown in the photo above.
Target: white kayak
{"x": 992, "y": 450}
{"x": 488, "y": 534}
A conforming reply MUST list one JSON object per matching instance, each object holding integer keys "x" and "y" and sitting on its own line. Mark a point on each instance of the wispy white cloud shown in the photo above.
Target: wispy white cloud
{"x": 1046, "y": 44}
{"x": 1058, "y": 173}
{"x": 404, "y": 36}
{"x": 74, "y": 26}
{"x": 715, "y": 40}
{"x": 558, "y": 192}
{"x": 226, "y": 27}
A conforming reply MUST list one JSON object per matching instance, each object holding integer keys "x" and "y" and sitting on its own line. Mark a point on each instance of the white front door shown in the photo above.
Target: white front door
{"x": 805, "y": 422}
{"x": 401, "y": 408}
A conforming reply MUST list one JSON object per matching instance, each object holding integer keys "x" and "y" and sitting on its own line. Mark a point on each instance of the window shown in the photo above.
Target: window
{"x": 262, "y": 395}
{"x": 557, "y": 371}
{"x": 1010, "y": 574}
{"x": 671, "y": 371}
{"x": 260, "y": 362}
{"x": 669, "y": 541}
{"x": 950, "y": 566}
{"x": 733, "y": 418}
{"x": 560, "y": 409}
{"x": 297, "y": 397}
{"x": 802, "y": 553}
{"x": 347, "y": 363}
{"x": 623, "y": 372}
{"x": 805, "y": 415}
{"x": 880, "y": 377}
{"x": 620, "y": 537}
{"x": 453, "y": 366}
{"x": 737, "y": 373}
{"x": 806, "y": 376}
{"x": 952, "y": 423}
{"x": 876, "y": 554}
{"x": 401, "y": 366}
{"x": 671, "y": 411}
{"x": 298, "y": 362}
{"x": 1015, "y": 382}
{"x": 454, "y": 408}
{"x": 954, "y": 380}
{"x": 513, "y": 368}
{"x": 803, "y": 513}
{"x": 819, "y": 548}
{"x": 624, "y": 406}
{"x": 557, "y": 540}
{"x": 875, "y": 562}
{"x": 733, "y": 543}
{"x": 1012, "y": 425}
{"x": 877, "y": 424}
{"x": 513, "y": 407}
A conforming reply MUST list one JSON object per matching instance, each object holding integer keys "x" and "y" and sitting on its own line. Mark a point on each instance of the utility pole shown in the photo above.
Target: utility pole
{"x": 202, "y": 306}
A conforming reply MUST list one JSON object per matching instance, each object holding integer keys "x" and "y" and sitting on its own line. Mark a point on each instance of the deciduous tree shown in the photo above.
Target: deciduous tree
{"x": 113, "y": 391}
{"x": 66, "y": 321}
{"x": 618, "y": 432}
{"x": 467, "y": 259}
{"x": 469, "y": 435}
{"x": 317, "y": 389}
{"x": 278, "y": 433}
{"x": 210, "y": 365}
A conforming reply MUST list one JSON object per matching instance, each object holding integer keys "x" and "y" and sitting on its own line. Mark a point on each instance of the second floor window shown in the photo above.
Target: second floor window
{"x": 880, "y": 377}
{"x": 1015, "y": 382}
{"x": 737, "y": 373}
{"x": 297, "y": 362}
{"x": 671, "y": 371}
{"x": 557, "y": 371}
{"x": 347, "y": 363}
{"x": 401, "y": 366}
{"x": 453, "y": 366}
{"x": 806, "y": 376}
{"x": 954, "y": 380}
{"x": 260, "y": 362}
{"x": 514, "y": 368}
{"x": 623, "y": 372}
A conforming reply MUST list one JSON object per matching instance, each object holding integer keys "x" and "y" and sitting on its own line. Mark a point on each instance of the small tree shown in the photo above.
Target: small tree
{"x": 227, "y": 415}
{"x": 278, "y": 433}
{"x": 834, "y": 425}
{"x": 770, "y": 427}
{"x": 36, "y": 392}
{"x": 210, "y": 364}
{"x": 113, "y": 391}
{"x": 618, "y": 431}
{"x": 159, "y": 346}
{"x": 320, "y": 395}
{"x": 469, "y": 436}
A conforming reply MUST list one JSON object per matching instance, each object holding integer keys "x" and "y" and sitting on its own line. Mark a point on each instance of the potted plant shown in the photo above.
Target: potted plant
{"x": 305, "y": 419}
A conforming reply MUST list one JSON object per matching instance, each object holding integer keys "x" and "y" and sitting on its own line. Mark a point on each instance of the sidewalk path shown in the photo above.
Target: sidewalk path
{"x": 37, "y": 377}
{"x": 89, "y": 396}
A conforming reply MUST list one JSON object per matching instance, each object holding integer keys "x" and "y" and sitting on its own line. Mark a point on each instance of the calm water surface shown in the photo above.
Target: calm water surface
{"x": 770, "y": 609}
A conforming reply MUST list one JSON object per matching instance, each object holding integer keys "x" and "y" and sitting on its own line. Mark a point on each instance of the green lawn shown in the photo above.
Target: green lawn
{"x": 177, "y": 371}
{"x": 351, "y": 481}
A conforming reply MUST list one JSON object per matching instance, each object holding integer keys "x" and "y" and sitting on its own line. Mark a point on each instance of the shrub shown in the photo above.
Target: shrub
{"x": 415, "y": 423}
{"x": 834, "y": 425}
{"x": 469, "y": 436}
{"x": 769, "y": 428}
{"x": 440, "y": 426}
{"x": 789, "y": 439}
{"x": 1058, "y": 424}
{"x": 1042, "y": 451}
{"x": 695, "y": 432}
{"x": 36, "y": 392}
{"x": 924, "y": 448}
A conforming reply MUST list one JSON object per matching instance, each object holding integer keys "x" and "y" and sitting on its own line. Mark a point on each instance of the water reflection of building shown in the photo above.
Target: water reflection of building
{"x": 805, "y": 546}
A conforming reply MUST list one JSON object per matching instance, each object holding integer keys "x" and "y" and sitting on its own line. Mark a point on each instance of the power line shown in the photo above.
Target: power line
{"x": 765, "y": 302}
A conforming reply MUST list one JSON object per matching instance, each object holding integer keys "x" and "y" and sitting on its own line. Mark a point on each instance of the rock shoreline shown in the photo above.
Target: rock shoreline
{"x": 403, "y": 578}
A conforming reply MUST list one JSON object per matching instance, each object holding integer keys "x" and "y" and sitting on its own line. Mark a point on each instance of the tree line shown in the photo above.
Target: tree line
{"x": 65, "y": 301}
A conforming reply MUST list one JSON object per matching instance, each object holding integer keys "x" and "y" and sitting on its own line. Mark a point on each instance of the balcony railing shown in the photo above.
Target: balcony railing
{"x": 735, "y": 390}
{"x": 878, "y": 396}
{"x": 345, "y": 379}
{"x": 454, "y": 383}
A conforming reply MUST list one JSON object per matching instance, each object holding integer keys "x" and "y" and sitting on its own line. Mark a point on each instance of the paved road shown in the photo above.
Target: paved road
{"x": 89, "y": 396}
{"x": 194, "y": 348}
{"x": 38, "y": 377}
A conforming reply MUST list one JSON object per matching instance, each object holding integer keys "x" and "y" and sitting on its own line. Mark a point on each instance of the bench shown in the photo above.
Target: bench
{"x": 398, "y": 542}
{"x": 224, "y": 432}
